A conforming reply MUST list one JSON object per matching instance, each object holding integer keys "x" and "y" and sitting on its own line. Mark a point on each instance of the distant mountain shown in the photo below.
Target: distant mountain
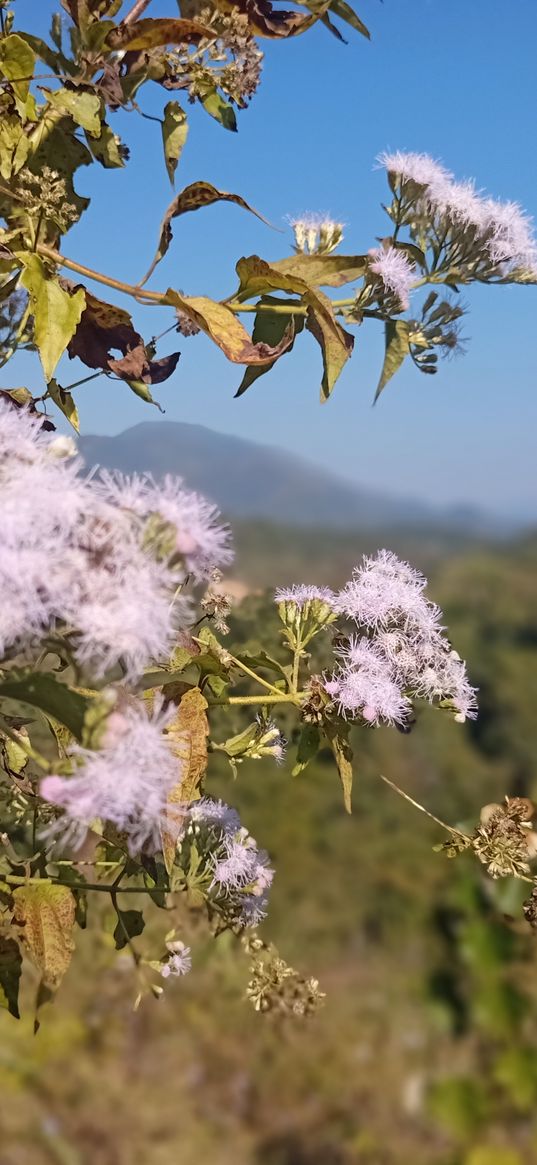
{"x": 258, "y": 481}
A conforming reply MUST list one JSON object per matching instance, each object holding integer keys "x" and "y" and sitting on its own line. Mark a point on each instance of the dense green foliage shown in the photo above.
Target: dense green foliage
{"x": 425, "y": 1049}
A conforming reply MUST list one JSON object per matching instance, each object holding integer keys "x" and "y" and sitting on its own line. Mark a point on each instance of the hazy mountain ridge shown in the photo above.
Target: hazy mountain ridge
{"x": 249, "y": 480}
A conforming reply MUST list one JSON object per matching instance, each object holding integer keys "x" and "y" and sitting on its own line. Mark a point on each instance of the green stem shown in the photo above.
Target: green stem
{"x": 253, "y": 676}
{"x": 280, "y": 698}
{"x": 104, "y": 888}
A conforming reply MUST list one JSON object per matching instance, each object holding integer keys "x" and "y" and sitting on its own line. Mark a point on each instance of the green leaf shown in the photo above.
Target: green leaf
{"x": 56, "y": 313}
{"x": 336, "y": 344}
{"x": 46, "y": 916}
{"x": 105, "y": 148}
{"x": 174, "y": 135}
{"x": 55, "y": 699}
{"x": 338, "y": 738}
{"x": 257, "y": 277}
{"x": 17, "y": 60}
{"x": 324, "y": 270}
{"x": 222, "y": 111}
{"x": 269, "y": 328}
{"x": 84, "y": 108}
{"x": 14, "y": 146}
{"x": 65, "y": 403}
{"x": 130, "y": 924}
{"x": 10, "y": 973}
{"x": 308, "y": 747}
{"x": 397, "y": 340}
{"x": 345, "y": 12}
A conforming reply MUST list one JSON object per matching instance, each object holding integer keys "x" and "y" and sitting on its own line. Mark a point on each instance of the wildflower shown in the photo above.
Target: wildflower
{"x": 383, "y": 589}
{"x": 395, "y": 271}
{"x": 365, "y": 685}
{"x": 198, "y": 535}
{"x": 301, "y": 594}
{"x": 316, "y": 234}
{"x": 125, "y": 782}
{"x": 178, "y": 962}
{"x": 417, "y": 168}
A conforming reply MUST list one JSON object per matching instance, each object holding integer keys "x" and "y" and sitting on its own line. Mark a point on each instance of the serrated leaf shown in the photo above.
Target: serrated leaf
{"x": 17, "y": 60}
{"x": 194, "y": 197}
{"x": 55, "y": 699}
{"x": 84, "y": 108}
{"x": 187, "y": 735}
{"x": 65, "y": 403}
{"x": 129, "y": 925}
{"x": 56, "y": 313}
{"x": 308, "y": 747}
{"x": 174, "y": 135}
{"x": 324, "y": 270}
{"x": 222, "y": 111}
{"x": 269, "y": 328}
{"x": 397, "y": 342}
{"x": 10, "y": 973}
{"x": 45, "y": 914}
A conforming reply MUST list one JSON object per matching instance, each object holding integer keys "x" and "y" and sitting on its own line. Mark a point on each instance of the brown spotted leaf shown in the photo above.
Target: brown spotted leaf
{"x": 188, "y": 737}
{"x": 222, "y": 325}
{"x": 193, "y": 197}
{"x": 103, "y": 329}
{"x": 266, "y": 20}
{"x": 45, "y": 915}
{"x": 148, "y": 34}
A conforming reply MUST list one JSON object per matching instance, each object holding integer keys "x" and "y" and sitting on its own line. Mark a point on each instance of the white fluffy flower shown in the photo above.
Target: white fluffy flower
{"x": 125, "y": 782}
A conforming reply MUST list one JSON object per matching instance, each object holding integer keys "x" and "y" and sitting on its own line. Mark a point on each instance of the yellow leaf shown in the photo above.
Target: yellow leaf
{"x": 46, "y": 915}
{"x": 188, "y": 735}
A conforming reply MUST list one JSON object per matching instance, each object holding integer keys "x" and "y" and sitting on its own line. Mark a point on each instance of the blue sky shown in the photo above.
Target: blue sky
{"x": 454, "y": 80}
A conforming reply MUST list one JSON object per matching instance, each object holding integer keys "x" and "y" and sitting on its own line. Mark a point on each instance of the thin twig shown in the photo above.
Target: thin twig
{"x": 416, "y": 804}
{"x": 136, "y": 11}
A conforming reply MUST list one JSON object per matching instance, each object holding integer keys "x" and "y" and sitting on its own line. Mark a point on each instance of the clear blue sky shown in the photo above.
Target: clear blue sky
{"x": 456, "y": 80}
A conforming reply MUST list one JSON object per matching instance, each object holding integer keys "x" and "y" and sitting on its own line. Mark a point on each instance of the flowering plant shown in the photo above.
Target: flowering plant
{"x": 111, "y": 660}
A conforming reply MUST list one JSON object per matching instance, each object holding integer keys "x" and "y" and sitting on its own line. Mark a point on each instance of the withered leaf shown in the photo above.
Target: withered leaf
{"x": 266, "y": 20}
{"x": 193, "y": 197}
{"x": 188, "y": 736}
{"x": 222, "y": 325}
{"x": 324, "y": 270}
{"x": 147, "y": 34}
{"x": 45, "y": 914}
{"x": 104, "y": 328}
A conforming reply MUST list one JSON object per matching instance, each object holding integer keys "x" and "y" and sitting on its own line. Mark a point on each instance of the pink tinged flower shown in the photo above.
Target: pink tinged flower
{"x": 383, "y": 591}
{"x": 365, "y": 685}
{"x": 125, "y": 782}
{"x": 395, "y": 271}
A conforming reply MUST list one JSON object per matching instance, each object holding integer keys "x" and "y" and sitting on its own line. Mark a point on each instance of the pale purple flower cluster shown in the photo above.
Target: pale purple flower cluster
{"x": 240, "y": 873}
{"x": 395, "y": 270}
{"x": 126, "y": 781}
{"x": 76, "y": 552}
{"x": 502, "y": 229}
{"x": 402, "y": 652}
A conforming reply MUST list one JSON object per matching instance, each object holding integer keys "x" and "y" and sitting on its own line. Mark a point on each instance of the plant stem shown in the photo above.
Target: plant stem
{"x": 280, "y": 698}
{"x": 253, "y": 676}
{"x": 416, "y": 804}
